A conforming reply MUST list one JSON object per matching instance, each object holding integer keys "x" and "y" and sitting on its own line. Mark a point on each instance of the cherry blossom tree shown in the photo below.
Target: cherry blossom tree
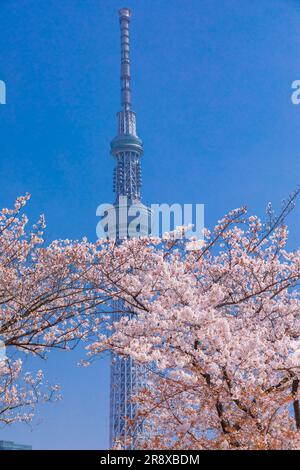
{"x": 44, "y": 304}
{"x": 217, "y": 329}
{"x": 216, "y": 326}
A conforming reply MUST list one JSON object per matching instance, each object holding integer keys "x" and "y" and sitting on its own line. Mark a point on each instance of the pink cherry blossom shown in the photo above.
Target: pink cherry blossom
{"x": 217, "y": 330}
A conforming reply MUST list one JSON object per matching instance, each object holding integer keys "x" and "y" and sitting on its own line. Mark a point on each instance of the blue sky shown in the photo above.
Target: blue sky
{"x": 211, "y": 88}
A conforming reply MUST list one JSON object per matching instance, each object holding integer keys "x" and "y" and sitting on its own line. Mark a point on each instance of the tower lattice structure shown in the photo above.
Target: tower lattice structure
{"x": 127, "y": 149}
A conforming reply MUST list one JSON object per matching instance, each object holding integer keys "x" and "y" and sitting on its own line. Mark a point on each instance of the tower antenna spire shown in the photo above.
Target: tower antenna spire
{"x": 124, "y": 16}
{"x": 126, "y": 147}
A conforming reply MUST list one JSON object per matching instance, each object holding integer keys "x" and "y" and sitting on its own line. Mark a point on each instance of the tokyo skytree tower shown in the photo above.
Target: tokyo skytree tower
{"x": 127, "y": 150}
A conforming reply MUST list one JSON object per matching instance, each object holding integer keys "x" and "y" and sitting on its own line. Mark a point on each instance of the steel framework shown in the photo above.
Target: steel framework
{"x": 127, "y": 150}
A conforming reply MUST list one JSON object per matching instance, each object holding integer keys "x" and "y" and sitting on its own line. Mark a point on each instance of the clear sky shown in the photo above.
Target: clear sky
{"x": 211, "y": 88}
